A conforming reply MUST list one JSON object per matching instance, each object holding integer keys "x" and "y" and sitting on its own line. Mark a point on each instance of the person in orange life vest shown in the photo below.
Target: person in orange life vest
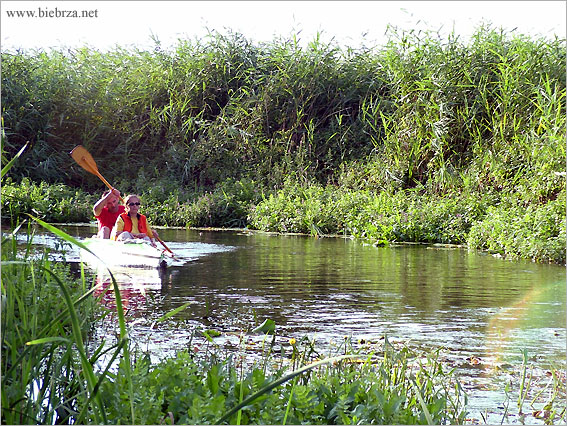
{"x": 132, "y": 225}
{"x": 106, "y": 211}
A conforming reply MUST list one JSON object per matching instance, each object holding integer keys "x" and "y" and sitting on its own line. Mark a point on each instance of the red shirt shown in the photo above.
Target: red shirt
{"x": 106, "y": 218}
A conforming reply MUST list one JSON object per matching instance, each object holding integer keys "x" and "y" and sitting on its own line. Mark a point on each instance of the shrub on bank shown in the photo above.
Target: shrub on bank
{"x": 56, "y": 203}
{"x": 410, "y": 217}
{"x": 535, "y": 232}
{"x": 404, "y": 216}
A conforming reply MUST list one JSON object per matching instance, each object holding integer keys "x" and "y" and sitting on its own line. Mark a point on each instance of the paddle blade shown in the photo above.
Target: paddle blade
{"x": 84, "y": 159}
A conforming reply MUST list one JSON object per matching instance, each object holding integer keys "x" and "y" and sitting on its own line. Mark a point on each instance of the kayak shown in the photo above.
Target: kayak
{"x": 118, "y": 253}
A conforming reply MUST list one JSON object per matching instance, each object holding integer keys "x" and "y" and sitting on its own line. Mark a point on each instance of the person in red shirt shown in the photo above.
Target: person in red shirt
{"x": 106, "y": 211}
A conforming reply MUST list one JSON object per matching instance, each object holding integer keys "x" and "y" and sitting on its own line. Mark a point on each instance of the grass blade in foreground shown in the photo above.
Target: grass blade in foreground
{"x": 10, "y": 163}
{"x": 119, "y": 310}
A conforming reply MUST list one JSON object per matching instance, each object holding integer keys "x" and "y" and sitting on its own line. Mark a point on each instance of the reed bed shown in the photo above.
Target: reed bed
{"x": 427, "y": 110}
{"x": 221, "y": 131}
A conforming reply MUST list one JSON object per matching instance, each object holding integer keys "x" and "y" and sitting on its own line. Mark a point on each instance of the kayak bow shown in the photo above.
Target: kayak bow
{"x": 117, "y": 253}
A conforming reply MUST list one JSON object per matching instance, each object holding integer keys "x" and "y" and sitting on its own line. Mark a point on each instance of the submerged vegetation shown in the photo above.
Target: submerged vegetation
{"x": 421, "y": 139}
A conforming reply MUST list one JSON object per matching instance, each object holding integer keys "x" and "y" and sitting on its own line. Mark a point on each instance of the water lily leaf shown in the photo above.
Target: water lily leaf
{"x": 267, "y": 327}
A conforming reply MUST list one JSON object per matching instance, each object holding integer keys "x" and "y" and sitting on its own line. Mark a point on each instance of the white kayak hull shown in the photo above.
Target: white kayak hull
{"x": 117, "y": 253}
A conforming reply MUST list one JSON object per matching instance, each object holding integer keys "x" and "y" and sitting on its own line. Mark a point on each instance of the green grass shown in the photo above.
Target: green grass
{"x": 46, "y": 317}
{"x": 394, "y": 387}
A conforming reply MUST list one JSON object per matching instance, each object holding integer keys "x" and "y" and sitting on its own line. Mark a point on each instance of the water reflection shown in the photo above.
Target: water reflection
{"x": 470, "y": 303}
{"x": 134, "y": 284}
{"x": 328, "y": 288}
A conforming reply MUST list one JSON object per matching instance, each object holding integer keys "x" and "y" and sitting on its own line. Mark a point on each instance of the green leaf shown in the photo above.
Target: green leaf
{"x": 267, "y": 327}
{"x": 213, "y": 333}
{"x": 47, "y": 340}
{"x": 421, "y": 402}
{"x": 209, "y": 338}
{"x": 172, "y": 313}
{"x": 213, "y": 379}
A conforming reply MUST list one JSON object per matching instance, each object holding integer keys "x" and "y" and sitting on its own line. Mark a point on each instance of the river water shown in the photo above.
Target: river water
{"x": 487, "y": 314}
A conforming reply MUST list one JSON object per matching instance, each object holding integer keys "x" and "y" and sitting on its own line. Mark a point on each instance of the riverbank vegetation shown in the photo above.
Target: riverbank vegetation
{"x": 422, "y": 139}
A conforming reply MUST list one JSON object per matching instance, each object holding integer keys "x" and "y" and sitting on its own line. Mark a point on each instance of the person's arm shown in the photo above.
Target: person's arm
{"x": 118, "y": 228}
{"x": 151, "y": 234}
{"x": 97, "y": 209}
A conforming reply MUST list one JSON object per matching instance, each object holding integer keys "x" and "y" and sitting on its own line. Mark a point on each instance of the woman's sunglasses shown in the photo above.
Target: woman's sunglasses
{"x": 134, "y": 204}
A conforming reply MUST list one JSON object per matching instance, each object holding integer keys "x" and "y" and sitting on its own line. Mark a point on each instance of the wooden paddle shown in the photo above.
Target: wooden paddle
{"x": 87, "y": 162}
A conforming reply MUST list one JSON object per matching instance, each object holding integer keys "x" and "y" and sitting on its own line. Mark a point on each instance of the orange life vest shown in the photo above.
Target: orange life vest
{"x": 142, "y": 223}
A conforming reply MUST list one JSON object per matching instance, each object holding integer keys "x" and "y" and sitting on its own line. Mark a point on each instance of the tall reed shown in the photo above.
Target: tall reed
{"x": 430, "y": 110}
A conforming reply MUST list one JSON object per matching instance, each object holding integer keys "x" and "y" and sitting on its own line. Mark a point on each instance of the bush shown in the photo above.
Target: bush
{"x": 56, "y": 203}
{"x": 534, "y": 232}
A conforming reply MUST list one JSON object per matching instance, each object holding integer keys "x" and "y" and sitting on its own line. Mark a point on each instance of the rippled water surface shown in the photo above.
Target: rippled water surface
{"x": 473, "y": 305}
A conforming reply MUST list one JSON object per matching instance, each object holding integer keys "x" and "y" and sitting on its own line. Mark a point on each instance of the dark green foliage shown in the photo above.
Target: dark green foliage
{"x": 405, "y": 216}
{"x": 206, "y": 129}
